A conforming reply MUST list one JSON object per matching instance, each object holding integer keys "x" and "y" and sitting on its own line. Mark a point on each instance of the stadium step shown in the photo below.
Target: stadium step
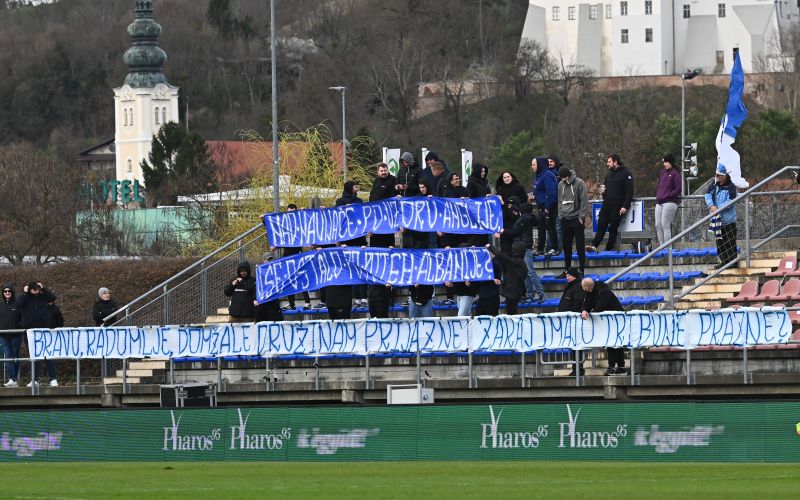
{"x": 148, "y": 365}
{"x": 118, "y": 380}
{"x": 715, "y": 288}
{"x": 700, "y": 304}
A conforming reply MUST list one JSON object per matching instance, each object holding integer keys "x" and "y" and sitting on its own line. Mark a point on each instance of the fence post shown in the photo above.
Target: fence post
{"x": 671, "y": 278}
{"x": 165, "y": 304}
{"x": 366, "y": 372}
{"x": 746, "y": 230}
{"x": 124, "y": 375}
{"x": 78, "y": 376}
{"x": 469, "y": 370}
{"x": 33, "y": 377}
{"x": 522, "y": 370}
{"x": 688, "y": 366}
{"x": 316, "y": 373}
{"x": 205, "y": 292}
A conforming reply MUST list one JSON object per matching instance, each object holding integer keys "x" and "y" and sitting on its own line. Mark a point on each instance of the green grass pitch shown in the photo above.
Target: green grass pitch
{"x": 398, "y": 480}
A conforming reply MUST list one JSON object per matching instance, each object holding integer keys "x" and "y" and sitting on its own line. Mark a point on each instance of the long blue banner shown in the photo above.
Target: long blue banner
{"x": 370, "y": 266}
{"x": 325, "y": 226}
{"x": 522, "y": 333}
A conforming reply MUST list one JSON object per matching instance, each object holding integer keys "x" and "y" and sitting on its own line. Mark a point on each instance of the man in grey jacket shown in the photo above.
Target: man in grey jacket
{"x": 573, "y": 207}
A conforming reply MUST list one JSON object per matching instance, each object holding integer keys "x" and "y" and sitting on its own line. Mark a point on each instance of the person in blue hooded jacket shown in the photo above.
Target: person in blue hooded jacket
{"x": 545, "y": 192}
{"x": 724, "y": 223}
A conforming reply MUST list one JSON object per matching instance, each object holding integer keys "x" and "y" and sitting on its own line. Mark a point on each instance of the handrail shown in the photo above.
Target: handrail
{"x": 743, "y": 196}
{"x": 736, "y": 260}
{"x": 185, "y": 271}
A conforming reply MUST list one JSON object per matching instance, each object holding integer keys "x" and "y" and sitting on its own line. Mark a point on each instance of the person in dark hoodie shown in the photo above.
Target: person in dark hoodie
{"x": 350, "y": 197}
{"x": 598, "y": 297}
{"x": 104, "y": 306}
{"x": 507, "y": 186}
{"x": 427, "y": 173}
{"x": 545, "y": 192}
{"x": 242, "y": 291}
{"x": 511, "y": 213}
{"x": 383, "y": 187}
{"x": 514, "y": 274}
{"x": 554, "y": 164}
{"x": 522, "y": 230}
{"x": 572, "y": 301}
{"x": 478, "y": 182}
{"x": 408, "y": 175}
{"x": 270, "y": 310}
{"x": 10, "y": 319}
{"x": 287, "y": 252}
{"x": 489, "y": 292}
{"x": 32, "y": 305}
{"x": 617, "y": 192}
{"x": 437, "y": 178}
{"x": 454, "y": 189}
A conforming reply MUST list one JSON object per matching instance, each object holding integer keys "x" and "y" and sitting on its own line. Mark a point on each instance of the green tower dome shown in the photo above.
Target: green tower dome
{"x": 145, "y": 58}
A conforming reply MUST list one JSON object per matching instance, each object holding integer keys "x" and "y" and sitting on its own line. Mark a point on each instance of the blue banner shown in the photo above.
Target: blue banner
{"x": 325, "y": 226}
{"x": 522, "y": 333}
{"x": 370, "y": 266}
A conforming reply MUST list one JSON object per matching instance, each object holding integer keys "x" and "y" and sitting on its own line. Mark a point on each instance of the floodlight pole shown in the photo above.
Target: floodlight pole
{"x": 343, "y": 90}
{"x": 276, "y": 175}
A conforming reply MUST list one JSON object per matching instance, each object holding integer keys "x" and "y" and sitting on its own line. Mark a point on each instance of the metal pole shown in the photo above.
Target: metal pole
{"x": 522, "y": 370}
{"x": 33, "y": 377}
{"x": 671, "y": 278}
{"x": 78, "y": 376}
{"x": 316, "y": 373}
{"x": 165, "y": 304}
{"x": 469, "y": 370}
{"x": 204, "y": 300}
{"x": 683, "y": 146}
{"x": 419, "y": 369}
{"x": 746, "y": 231}
{"x": 276, "y": 194}
{"x": 366, "y": 372}
{"x": 688, "y": 366}
{"x": 344, "y": 136}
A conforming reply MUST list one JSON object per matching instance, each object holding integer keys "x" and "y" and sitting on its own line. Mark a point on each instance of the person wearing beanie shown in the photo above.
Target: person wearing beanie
{"x": 724, "y": 222}
{"x": 545, "y": 192}
{"x": 408, "y": 175}
{"x": 617, "y": 192}
{"x": 668, "y": 193}
{"x": 104, "y": 306}
{"x": 572, "y": 301}
{"x": 382, "y": 189}
{"x": 573, "y": 208}
{"x": 598, "y": 297}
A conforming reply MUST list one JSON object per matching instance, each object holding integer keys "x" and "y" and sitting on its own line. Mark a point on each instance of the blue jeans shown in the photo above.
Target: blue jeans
{"x": 423, "y": 311}
{"x": 532, "y": 283}
{"x": 11, "y": 347}
{"x": 465, "y": 304}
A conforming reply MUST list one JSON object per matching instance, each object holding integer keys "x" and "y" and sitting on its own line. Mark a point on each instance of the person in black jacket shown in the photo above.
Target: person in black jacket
{"x": 350, "y": 197}
{"x": 383, "y": 187}
{"x": 104, "y": 306}
{"x": 507, "y": 186}
{"x": 242, "y": 291}
{"x": 421, "y": 301}
{"x": 478, "y": 182}
{"x": 287, "y": 252}
{"x": 522, "y": 230}
{"x": 511, "y": 213}
{"x": 514, "y": 274}
{"x": 617, "y": 197}
{"x": 454, "y": 189}
{"x": 10, "y": 319}
{"x": 489, "y": 292}
{"x": 572, "y": 301}
{"x": 598, "y": 297}
{"x": 33, "y": 306}
{"x": 56, "y": 321}
{"x": 271, "y": 309}
{"x": 408, "y": 175}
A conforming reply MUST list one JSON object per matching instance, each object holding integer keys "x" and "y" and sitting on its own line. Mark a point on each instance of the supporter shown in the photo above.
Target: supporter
{"x": 270, "y": 310}
{"x": 573, "y": 207}
{"x": 33, "y": 308}
{"x": 242, "y": 291}
{"x": 104, "y": 306}
{"x": 379, "y": 299}
{"x": 464, "y": 292}
{"x": 478, "y": 182}
{"x": 340, "y": 301}
{"x": 489, "y": 292}
{"x": 408, "y": 175}
{"x": 288, "y": 252}
{"x": 515, "y": 272}
{"x": 10, "y": 319}
{"x": 522, "y": 230}
{"x": 507, "y": 186}
{"x": 617, "y": 191}
{"x": 454, "y": 190}
{"x": 438, "y": 178}
{"x": 668, "y": 194}
{"x": 56, "y": 320}
{"x": 724, "y": 223}
{"x": 383, "y": 187}
{"x": 572, "y": 301}
{"x": 511, "y": 214}
{"x": 553, "y": 164}
{"x": 545, "y": 191}
{"x": 419, "y": 239}
{"x": 350, "y": 197}
{"x": 427, "y": 173}
{"x": 421, "y": 302}
{"x": 598, "y": 297}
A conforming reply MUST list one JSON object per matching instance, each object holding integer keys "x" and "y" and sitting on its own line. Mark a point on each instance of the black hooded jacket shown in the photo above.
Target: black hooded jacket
{"x": 101, "y": 309}
{"x": 9, "y": 314}
{"x": 410, "y": 178}
{"x": 478, "y": 182}
{"x": 515, "y": 271}
{"x": 619, "y": 187}
{"x": 350, "y": 198}
{"x": 383, "y": 188}
{"x": 451, "y": 191}
{"x": 522, "y": 230}
{"x": 506, "y": 191}
{"x": 34, "y": 308}
{"x": 601, "y": 299}
{"x": 242, "y": 294}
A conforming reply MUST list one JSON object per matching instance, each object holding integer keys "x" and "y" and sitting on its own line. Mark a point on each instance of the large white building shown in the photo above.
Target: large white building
{"x": 662, "y": 37}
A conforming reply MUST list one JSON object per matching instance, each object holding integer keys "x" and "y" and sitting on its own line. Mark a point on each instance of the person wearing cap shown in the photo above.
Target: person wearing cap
{"x": 617, "y": 192}
{"x": 270, "y": 310}
{"x": 598, "y": 297}
{"x": 10, "y": 320}
{"x": 573, "y": 207}
{"x": 104, "y": 306}
{"x": 724, "y": 223}
{"x": 572, "y": 301}
{"x": 668, "y": 194}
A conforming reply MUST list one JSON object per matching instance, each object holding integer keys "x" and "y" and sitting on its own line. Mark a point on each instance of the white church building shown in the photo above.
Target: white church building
{"x": 662, "y": 37}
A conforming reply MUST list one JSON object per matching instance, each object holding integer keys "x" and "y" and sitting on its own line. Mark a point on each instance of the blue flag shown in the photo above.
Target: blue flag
{"x": 728, "y": 160}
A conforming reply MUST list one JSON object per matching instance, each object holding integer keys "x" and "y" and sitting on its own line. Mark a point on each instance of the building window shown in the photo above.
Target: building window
{"x": 721, "y": 10}
{"x": 125, "y": 114}
{"x": 164, "y": 115}
{"x": 648, "y": 7}
{"x": 623, "y": 8}
{"x": 608, "y": 11}
{"x": 593, "y": 12}
{"x": 130, "y": 122}
{"x": 648, "y": 35}
{"x": 130, "y": 165}
{"x": 556, "y": 13}
{"x": 720, "y": 57}
{"x": 571, "y": 13}
{"x": 687, "y": 11}
{"x": 156, "y": 113}
{"x": 624, "y": 34}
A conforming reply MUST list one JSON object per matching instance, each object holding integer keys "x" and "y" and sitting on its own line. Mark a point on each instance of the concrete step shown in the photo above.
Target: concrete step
{"x": 762, "y": 263}
{"x": 217, "y": 319}
{"x": 699, "y": 304}
{"x": 141, "y": 373}
{"x": 148, "y": 365}
{"x": 118, "y": 380}
{"x": 588, "y": 372}
{"x": 708, "y": 296}
{"x": 744, "y": 271}
{"x": 723, "y": 279}
{"x": 715, "y": 288}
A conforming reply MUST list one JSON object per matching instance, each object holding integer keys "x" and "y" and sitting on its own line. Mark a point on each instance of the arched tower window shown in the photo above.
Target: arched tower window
{"x": 130, "y": 165}
{"x": 131, "y": 109}
{"x": 164, "y": 114}
{"x": 156, "y": 113}
{"x": 125, "y": 113}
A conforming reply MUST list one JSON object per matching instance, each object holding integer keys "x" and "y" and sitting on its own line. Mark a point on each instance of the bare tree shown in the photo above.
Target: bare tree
{"x": 533, "y": 65}
{"x": 781, "y": 64}
{"x": 569, "y": 76}
{"x": 395, "y": 84}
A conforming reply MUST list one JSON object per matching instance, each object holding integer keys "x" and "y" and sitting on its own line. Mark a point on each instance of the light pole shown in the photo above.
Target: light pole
{"x": 276, "y": 175}
{"x": 343, "y": 90}
{"x": 688, "y": 75}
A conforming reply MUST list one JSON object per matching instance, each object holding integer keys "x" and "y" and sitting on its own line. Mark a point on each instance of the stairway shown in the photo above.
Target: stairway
{"x": 141, "y": 372}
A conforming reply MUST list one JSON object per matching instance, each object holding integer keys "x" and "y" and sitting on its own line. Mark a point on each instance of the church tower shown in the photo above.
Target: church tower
{"x": 146, "y": 100}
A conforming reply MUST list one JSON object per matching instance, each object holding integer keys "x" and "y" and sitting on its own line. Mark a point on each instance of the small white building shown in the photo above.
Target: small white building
{"x": 661, "y": 37}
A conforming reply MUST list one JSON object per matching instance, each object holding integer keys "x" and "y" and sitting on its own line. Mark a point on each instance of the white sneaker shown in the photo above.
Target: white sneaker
{"x": 54, "y": 383}
{"x": 31, "y": 383}
{"x": 11, "y": 383}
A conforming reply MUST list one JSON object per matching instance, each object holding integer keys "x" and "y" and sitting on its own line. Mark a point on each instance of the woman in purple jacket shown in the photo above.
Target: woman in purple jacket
{"x": 668, "y": 195}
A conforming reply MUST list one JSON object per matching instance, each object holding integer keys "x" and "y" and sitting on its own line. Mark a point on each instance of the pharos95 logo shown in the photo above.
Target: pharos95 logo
{"x": 493, "y": 437}
{"x": 174, "y": 440}
{"x": 570, "y": 436}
